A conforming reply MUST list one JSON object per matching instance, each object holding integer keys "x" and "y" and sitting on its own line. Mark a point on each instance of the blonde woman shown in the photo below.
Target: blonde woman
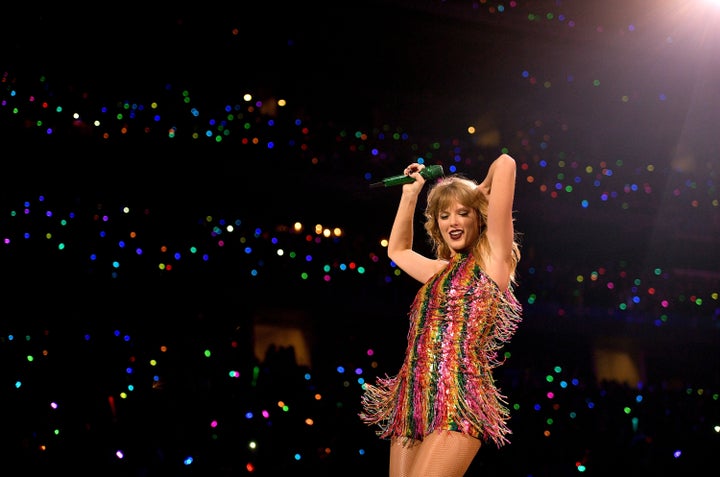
{"x": 443, "y": 403}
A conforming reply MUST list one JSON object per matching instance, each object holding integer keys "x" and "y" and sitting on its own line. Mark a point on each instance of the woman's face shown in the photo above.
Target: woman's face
{"x": 459, "y": 226}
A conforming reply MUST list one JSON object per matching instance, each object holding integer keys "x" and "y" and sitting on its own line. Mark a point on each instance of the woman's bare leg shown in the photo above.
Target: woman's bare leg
{"x": 402, "y": 457}
{"x": 442, "y": 454}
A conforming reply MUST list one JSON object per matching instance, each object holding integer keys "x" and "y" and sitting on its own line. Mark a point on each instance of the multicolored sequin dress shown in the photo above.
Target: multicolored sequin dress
{"x": 459, "y": 320}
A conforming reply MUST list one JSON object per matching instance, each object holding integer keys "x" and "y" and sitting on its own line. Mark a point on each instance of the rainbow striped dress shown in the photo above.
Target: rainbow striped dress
{"x": 459, "y": 321}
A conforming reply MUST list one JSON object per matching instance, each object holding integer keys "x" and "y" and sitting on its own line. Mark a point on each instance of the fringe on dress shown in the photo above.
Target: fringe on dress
{"x": 459, "y": 321}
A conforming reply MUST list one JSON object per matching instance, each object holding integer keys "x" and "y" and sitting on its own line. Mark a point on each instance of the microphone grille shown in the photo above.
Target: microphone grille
{"x": 432, "y": 172}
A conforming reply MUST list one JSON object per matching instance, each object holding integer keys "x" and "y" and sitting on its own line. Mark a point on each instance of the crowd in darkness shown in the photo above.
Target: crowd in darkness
{"x": 145, "y": 234}
{"x": 153, "y": 370}
{"x": 182, "y": 393}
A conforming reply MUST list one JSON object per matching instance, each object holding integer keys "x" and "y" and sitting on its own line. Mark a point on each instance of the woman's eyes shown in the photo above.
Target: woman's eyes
{"x": 463, "y": 213}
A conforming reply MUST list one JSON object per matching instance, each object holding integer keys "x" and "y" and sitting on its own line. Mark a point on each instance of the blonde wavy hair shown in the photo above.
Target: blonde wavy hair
{"x": 463, "y": 190}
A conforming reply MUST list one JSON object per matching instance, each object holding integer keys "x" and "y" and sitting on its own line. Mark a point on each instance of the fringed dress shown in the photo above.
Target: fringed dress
{"x": 459, "y": 321}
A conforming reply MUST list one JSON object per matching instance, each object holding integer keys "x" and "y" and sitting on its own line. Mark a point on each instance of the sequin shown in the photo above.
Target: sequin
{"x": 459, "y": 321}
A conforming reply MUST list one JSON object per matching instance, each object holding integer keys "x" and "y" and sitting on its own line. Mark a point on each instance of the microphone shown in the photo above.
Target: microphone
{"x": 429, "y": 172}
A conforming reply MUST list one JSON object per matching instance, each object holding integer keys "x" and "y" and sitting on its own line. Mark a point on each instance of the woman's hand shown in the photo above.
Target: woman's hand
{"x": 413, "y": 170}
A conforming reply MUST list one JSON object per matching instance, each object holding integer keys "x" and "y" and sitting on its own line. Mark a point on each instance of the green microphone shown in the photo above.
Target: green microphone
{"x": 428, "y": 173}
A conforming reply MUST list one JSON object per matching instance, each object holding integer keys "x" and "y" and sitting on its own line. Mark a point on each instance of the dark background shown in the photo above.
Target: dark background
{"x": 626, "y": 89}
